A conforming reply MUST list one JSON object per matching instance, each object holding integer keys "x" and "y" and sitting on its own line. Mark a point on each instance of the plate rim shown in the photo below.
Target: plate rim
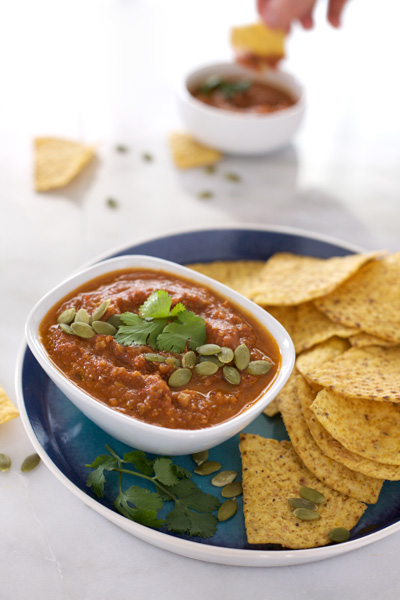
{"x": 189, "y": 548}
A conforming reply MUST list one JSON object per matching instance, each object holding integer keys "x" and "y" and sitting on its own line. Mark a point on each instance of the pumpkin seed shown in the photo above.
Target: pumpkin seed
{"x": 206, "y": 368}
{"x": 208, "y": 349}
{"x": 175, "y": 362}
{"x": 180, "y": 377}
{"x": 5, "y": 462}
{"x": 226, "y": 355}
{"x": 223, "y": 478}
{"x": 312, "y": 495}
{"x": 30, "y": 463}
{"x": 189, "y": 359}
{"x": 302, "y": 503}
{"x": 66, "y": 328}
{"x": 231, "y": 375}
{"x": 82, "y": 330}
{"x": 159, "y": 358}
{"x": 208, "y": 467}
{"x": 115, "y": 320}
{"x": 227, "y": 510}
{"x": 200, "y": 457}
{"x": 104, "y": 328}
{"x": 339, "y": 534}
{"x": 305, "y": 514}
{"x": 67, "y": 316}
{"x": 82, "y": 316}
{"x": 232, "y": 490}
{"x": 213, "y": 359}
{"x": 259, "y": 367}
{"x": 242, "y": 357}
{"x": 100, "y": 311}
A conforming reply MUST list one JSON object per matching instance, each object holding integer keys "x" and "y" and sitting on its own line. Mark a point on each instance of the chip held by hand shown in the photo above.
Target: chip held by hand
{"x": 59, "y": 161}
{"x": 258, "y": 47}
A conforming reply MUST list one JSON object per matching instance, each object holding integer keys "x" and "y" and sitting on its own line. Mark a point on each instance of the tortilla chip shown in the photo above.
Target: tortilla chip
{"x": 371, "y": 373}
{"x": 288, "y": 390}
{"x": 273, "y": 473}
{"x": 361, "y": 340}
{"x": 330, "y": 472}
{"x": 310, "y": 361}
{"x": 187, "y": 153}
{"x": 272, "y": 409}
{"x": 370, "y": 300}
{"x": 334, "y": 449}
{"x": 259, "y": 40}
{"x": 236, "y": 274}
{"x": 58, "y": 161}
{"x": 7, "y": 409}
{"x": 367, "y": 428}
{"x": 289, "y": 279}
{"x": 286, "y": 315}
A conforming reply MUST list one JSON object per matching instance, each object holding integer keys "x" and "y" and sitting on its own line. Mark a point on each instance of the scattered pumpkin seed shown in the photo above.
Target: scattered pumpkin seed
{"x": 112, "y": 203}
{"x": 206, "y": 368}
{"x": 208, "y": 349}
{"x": 82, "y": 316}
{"x": 312, "y": 495}
{"x": 205, "y": 195}
{"x": 147, "y": 156}
{"x": 151, "y": 357}
{"x": 259, "y": 367}
{"x": 67, "y": 316}
{"x": 5, "y": 462}
{"x": 213, "y": 359}
{"x": 232, "y": 490}
{"x": 104, "y": 328}
{"x": 66, "y": 328}
{"x": 242, "y": 357}
{"x": 302, "y": 503}
{"x": 306, "y": 514}
{"x": 100, "y": 311}
{"x": 175, "y": 362}
{"x": 226, "y": 355}
{"x": 208, "y": 467}
{"x": 30, "y": 463}
{"x": 189, "y": 359}
{"x": 227, "y": 510}
{"x": 210, "y": 169}
{"x": 232, "y": 177}
{"x": 121, "y": 148}
{"x": 223, "y": 478}
{"x": 231, "y": 375}
{"x": 200, "y": 457}
{"x": 339, "y": 534}
{"x": 82, "y": 330}
{"x": 115, "y": 320}
{"x": 180, "y": 377}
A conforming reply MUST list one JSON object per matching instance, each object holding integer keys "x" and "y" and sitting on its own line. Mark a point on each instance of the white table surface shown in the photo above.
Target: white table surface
{"x": 104, "y": 71}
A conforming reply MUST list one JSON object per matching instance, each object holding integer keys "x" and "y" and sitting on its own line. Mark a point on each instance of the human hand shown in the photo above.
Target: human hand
{"x": 282, "y": 13}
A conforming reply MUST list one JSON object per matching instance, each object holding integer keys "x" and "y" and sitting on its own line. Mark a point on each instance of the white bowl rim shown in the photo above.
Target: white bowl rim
{"x": 185, "y": 95}
{"x": 217, "y": 431}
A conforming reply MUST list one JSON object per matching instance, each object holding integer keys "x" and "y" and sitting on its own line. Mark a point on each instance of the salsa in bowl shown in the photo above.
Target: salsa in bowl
{"x": 161, "y": 357}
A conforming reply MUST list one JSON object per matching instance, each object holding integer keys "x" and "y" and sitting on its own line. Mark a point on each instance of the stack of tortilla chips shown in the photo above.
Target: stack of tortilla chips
{"x": 341, "y": 405}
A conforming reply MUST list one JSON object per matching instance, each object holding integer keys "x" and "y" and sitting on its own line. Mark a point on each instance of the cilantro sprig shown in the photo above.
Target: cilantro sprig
{"x": 192, "y": 510}
{"x": 162, "y": 328}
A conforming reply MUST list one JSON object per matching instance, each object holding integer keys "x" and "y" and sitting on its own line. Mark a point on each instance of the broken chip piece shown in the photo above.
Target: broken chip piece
{"x": 187, "y": 153}
{"x": 7, "y": 409}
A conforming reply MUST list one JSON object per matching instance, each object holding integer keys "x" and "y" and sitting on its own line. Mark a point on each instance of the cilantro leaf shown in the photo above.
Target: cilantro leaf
{"x": 164, "y": 471}
{"x": 188, "y": 492}
{"x": 142, "y": 498}
{"x": 156, "y": 306}
{"x": 139, "y": 459}
{"x": 139, "y": 515}
{"x": 183, "y": 520}
{"x": 176, "y": 334}
{"x": 178, "y": 308}
{"x": 96, "y": 479}
{"x": 139, "y": 331}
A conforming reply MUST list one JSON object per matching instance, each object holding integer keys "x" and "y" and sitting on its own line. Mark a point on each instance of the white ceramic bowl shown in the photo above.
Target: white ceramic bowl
{"x": 234, "y": 132}
{"x": 135, "y": 433}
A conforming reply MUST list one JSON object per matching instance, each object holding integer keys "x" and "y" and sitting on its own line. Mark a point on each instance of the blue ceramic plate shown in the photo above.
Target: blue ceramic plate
{"x": 67, "y": 440}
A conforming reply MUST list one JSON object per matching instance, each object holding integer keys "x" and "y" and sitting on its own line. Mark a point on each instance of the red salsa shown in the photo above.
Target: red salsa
{"x": 122, "y": 376}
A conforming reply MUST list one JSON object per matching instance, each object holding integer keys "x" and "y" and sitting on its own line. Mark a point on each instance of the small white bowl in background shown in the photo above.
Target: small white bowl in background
{"x": 131, "y": 431}
{"x": 237, "y": 132}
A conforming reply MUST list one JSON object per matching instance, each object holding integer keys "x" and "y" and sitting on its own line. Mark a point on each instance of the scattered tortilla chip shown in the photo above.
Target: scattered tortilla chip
{"x": 258, "y": 46}
{"x": 187, "y": 153}
{"x": 370, "y": 300}
{"x": 371, "y": 373}
{"x": 273, "y": 473}
{"x": 310, "y": 361}
{"x": 289, "y": 279}
{"x": 237, "y": 274}
{"x": 272, "y": 409}
{"x": 7, "y": 408}
{"x": 361, "y": 340}
{"x": 367, "y": 428}
{"x": 58, "y": 161}
{"x": 334, "y": 449}
{"x": 287, "y": 317}
{"x": 330, "y": 472}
